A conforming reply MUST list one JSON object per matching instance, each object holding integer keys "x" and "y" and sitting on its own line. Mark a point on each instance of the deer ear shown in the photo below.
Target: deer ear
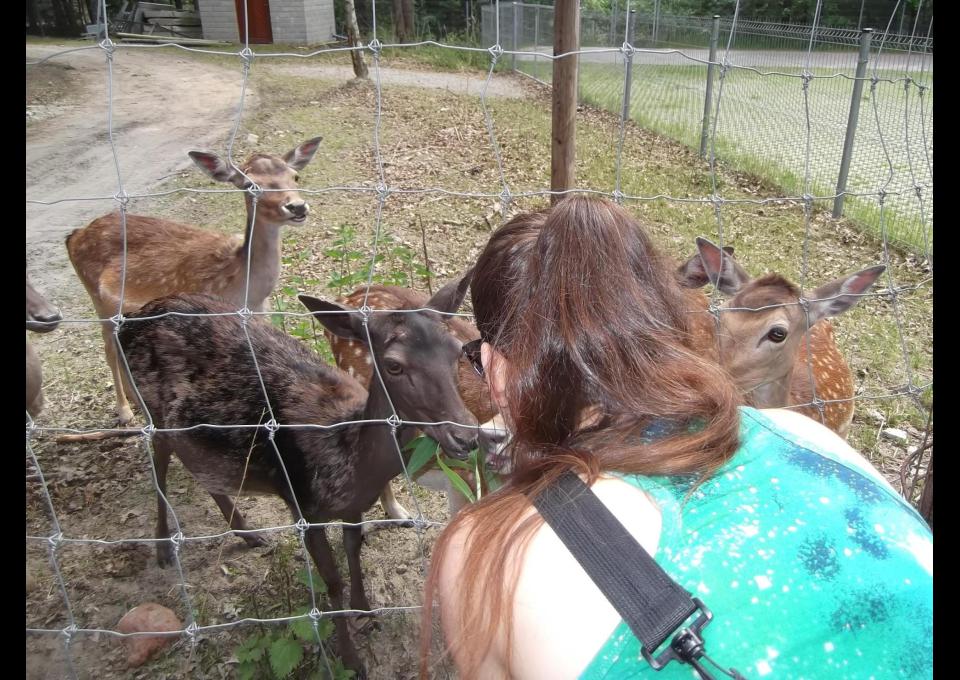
{"x": 303, "y": 154}
{"x": 723, "y": 271}
{"x": 341, "y": 320}
{"x": 450, "y": 297}
{"x": 214, "y": 166}
{"x": 691, "y": 274}
{"x": 841, "y": 294}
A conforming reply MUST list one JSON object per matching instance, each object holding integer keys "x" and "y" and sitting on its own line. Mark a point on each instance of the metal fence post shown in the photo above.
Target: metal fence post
{"x": 656, "y": 22}
{"x": 628, "y": 78}
{"x": 864, "y": 58}
{"x": 516, "y": 36}
{"x": 707, "y": 100}
{"x": 536, "y": 40}
{"x": 613, "y": 21}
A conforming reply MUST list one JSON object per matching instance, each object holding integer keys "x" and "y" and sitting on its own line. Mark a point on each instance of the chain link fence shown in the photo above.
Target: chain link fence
{"x": 762, "y": 129}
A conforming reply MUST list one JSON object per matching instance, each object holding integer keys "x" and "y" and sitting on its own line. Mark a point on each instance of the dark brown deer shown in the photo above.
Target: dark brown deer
{"x": 165, "y": 257}
{"x": 764, "y": 341}
{"x": 194, "y": 370}
{"x": 42, "y": 317}
{"x": 353, "y": 357}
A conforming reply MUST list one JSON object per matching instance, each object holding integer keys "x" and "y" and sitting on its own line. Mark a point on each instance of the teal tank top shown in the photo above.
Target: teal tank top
{"x": 813, "y": 567}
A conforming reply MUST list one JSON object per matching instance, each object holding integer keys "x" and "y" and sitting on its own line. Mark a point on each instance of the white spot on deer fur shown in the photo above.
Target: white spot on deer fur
{"x": 369, "y": 360}
{"x": 350, "y": 371}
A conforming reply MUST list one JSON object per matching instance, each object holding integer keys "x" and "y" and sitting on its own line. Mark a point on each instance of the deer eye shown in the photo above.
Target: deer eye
{"x": 296, "y": 178}
{"x": 777, "y": 334}
{"x": 393, "y": 368}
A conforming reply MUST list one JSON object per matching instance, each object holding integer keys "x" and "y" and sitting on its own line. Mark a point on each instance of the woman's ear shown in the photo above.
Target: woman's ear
{"x": 494, "y": 368}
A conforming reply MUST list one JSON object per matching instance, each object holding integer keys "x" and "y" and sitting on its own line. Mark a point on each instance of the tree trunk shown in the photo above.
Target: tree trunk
{"x": 403, "y": 20}
{"x": 353, "y": 37}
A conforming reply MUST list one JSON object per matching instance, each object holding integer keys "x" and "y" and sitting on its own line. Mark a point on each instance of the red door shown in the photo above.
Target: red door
{"x": 259, "y": 13}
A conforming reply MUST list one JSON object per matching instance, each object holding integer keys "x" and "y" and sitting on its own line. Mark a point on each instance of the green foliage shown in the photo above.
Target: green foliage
{"x": 424, "y": 449}
{"x": 395, "y": 264}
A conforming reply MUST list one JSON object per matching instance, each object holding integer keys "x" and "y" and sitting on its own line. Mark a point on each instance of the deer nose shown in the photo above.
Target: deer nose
{"x": 464, "y": 441}
{"x": 298, "y": 210}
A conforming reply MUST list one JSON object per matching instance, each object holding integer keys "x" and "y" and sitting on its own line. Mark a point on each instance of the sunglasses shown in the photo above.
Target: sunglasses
{"x": 471, "y": 350}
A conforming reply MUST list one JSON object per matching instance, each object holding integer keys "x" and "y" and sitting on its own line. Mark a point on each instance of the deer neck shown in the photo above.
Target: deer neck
{"x": 261, "y": 245}
{"x": 377, "y": 452}
{"x": 772, "y": 394}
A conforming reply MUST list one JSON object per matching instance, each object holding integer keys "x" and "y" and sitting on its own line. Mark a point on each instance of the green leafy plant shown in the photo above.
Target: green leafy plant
{"x": 282, "y": 651}
{"x": 424, "y": 449}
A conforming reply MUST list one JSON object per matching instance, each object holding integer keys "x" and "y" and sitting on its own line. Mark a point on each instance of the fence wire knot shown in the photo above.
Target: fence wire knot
{"x": 495, "y": 52}
{"x": 714, "y": 310}
{"x": 117, "y": 321}
{"x": 122, "y": 198}
{"x": 819, "y": 404}
{"x": 806, "y": 77}
{"x": 376, "y": 47}
{"x": 365, "y": 311}
{"x": 69, "y": 632}
{"x": 191, "y": 631}
{"x": 271, "y": 427}
{"x": 177, "y": 540}
{"x": 54, "y": 540}
{"x": 301, "y": 526}
{"x": 255, "y": 190}
{"x": 394, "y": 421}
{"x": 505, "y": 198}
{"x": 383, "y": 192}
{"x": 918, "y": 189}
{"x": 881, "y": 196}
{"x": 627, "y": 50}
{"x": 315, "y": 615}
{"x": 108, "y": 46}
{"x": 148, "y": 430}
{"x": 618, "y": 196}
{"x": 246, "y": 57}
{"x": 717, "y": 200}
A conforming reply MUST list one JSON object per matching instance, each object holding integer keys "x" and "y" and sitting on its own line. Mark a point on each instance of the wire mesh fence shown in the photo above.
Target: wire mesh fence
{"x": 763, "y": 131}
{"x": 778, "y": 109}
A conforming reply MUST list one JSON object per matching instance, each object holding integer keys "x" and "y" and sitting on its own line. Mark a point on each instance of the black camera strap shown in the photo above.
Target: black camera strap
{"x": 651, "y": 603}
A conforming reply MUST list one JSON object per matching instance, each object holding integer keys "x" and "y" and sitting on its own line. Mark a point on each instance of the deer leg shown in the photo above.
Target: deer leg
{"x": 236, "y": 520}
{"x": 352, "y": 540}
{"x": 161, "y": 460}
{"x": 391, "y": 505}
{"x": 124, "y": 412}
{"x": 322, "y": 555}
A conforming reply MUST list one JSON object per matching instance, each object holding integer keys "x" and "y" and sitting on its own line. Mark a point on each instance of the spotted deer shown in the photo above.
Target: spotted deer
{"x": 42, "y": 317}
{"x": 196, "y": 370}
{"x": 354, "y": 358}
{"x": 165, "y": 257}
{"x": 764, "y": 341}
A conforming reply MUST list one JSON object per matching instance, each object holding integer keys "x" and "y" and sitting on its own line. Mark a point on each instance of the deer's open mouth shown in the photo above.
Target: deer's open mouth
{"x": 299, "y": 219}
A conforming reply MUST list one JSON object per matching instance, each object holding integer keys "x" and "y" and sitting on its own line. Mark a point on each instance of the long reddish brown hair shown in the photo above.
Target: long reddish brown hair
{"x": 589, "y": 315}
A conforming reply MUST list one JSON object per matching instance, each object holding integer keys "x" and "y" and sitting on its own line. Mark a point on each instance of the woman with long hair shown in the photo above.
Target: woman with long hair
{"x": 812, "y": 564}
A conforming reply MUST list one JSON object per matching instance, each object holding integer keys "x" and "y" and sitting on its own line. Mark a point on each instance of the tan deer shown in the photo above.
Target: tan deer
{"x": 42, "y": 317}
{"x": 165, "y": 257}
{"x": 764, "y": 341}
{"x": 354, "y": 358}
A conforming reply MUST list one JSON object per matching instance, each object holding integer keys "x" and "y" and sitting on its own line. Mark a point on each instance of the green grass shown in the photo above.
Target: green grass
{"x": 762, "y": 131}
